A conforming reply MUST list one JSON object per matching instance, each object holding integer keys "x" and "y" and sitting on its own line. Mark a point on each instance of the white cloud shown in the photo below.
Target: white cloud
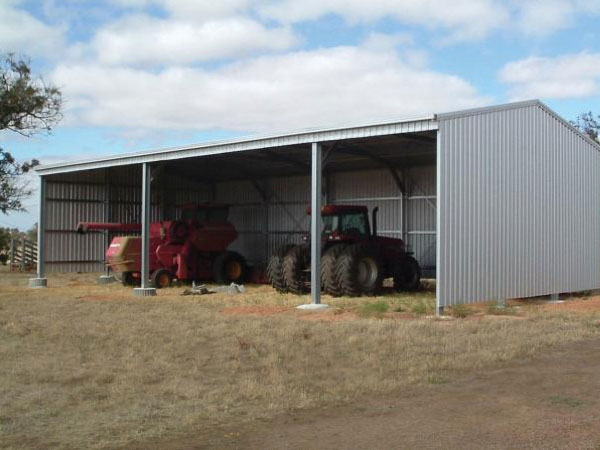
{"x": 462, "y": 19}
{"x": 565, "y": 76}
{"x": 20, "y": 32}
{"x": 190, "y": 9}
{"x": 542, "y": 17}
{"x": 146, "y": 40}
{"x": 300, "y": 89}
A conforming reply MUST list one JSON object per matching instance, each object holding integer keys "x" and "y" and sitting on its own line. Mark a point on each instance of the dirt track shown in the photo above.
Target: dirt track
{"x": 551, "y": 402}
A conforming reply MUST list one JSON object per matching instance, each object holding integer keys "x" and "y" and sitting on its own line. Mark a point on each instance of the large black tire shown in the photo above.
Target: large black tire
{"x": 407, "y": 275}
{"x": 295, "y": 273}
{"x": 161, "y": 278}
{"x": 275, "y": 270}
{"x": 127, "y": 279}
{"x": 229, "y": 267}
{"x": 360, "y": 270}
{"x": 329, "y": 279}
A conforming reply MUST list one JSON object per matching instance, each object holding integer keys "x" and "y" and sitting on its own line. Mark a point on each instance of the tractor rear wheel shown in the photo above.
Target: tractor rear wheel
{"x": 407, "y": 276}
{"x": 161, "y": 278}
{"x": 295, "y": 273}
{"x": 229, "y": 267}
{"x": 275, "y": 270}
{"x": 360, "y": 271}
{"x": 329, "y": 278}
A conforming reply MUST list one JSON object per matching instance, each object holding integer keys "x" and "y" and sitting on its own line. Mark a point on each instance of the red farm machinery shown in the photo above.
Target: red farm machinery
{"x": 355, "y": 260}
{"x": 191, "y": 248}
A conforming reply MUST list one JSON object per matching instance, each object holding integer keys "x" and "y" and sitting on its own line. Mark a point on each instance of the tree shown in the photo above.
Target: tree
{"x": 27, "y": 106}
{"x": 588, "y": 124}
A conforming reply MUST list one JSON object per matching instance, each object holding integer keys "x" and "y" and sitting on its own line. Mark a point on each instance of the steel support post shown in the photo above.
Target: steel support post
{"x": 145, "y": 289}
{"x": 106, "y": 278}
{"x": 439, "y": 303}
{"x": 40, "y": 281}
{"x": 316, "y": 195}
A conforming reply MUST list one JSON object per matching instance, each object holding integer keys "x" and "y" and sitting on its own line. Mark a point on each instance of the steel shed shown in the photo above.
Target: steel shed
{"x": 498, "y": 202}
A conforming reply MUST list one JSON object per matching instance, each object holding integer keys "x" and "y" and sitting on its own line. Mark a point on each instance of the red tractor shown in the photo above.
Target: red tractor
{"x": 192, "y": 248}
{"x": 355, "y": 260}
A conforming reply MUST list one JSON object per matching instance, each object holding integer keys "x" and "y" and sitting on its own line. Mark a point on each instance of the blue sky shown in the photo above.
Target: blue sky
{"x": 138, "y": 74}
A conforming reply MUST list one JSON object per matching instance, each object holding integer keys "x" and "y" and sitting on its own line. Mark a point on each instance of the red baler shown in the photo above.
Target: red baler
{"x": 192, "y": 248}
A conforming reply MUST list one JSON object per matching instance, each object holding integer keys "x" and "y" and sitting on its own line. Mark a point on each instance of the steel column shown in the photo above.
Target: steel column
{"x": 146, "y": 290}
{"x": 439, "y": 305}
{"x": 316, "y": 195}
{"x": 315, "y": 224}
{"x": 40, "y": 281}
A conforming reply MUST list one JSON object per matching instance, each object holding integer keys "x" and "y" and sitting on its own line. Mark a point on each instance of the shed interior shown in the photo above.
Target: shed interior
{"x": 268, "y": 191}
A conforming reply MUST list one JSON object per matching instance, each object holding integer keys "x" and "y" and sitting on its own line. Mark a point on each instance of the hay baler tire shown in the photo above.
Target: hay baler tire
{"x": 360, "y": 270}
{"x": 295, "y": 264}
{"x": 229, "y": 267}
{"x": 407, "y": 275}
{"x": 329, "y": 278}
{"x": 161, "y": 278}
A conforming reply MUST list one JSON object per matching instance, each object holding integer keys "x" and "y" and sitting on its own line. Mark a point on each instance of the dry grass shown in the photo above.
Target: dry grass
{"x": 85, "y": 366}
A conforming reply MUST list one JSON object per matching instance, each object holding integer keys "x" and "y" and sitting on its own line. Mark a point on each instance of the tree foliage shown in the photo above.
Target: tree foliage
{"x": 588, "y": 124}
{"x": 28, "y": 105}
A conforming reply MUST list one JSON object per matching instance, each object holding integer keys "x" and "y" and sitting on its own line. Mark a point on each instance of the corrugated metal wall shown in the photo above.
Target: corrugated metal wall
{"x": 263, "y": 225}
{"x": 288, "y": 198}
{"x": 103, "y": 196}
{"x": 519, "y": 207}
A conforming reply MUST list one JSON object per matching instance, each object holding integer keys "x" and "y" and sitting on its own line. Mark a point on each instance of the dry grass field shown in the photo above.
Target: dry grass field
{"x": 85, "y": 366}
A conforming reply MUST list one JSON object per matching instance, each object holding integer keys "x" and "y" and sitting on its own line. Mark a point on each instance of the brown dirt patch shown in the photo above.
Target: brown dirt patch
{"x": 255, "y": 310}
{"x": 588, "y": 304}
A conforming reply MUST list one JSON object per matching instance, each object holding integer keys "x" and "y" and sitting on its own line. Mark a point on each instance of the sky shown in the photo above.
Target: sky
{"x": 142, "y": 74}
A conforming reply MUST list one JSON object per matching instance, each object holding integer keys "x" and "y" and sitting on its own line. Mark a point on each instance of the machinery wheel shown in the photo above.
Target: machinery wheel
{"x": 407, "y": 276}
{"x": 127, "y": 279}
{"x": 275, "y": 270}
{"x": 295, "y": 273}
{"x": 229, "y": 267}
{"x": 329, "y": 278}
{"x": 360, "y": 271}
{"x": 161, "y": 278}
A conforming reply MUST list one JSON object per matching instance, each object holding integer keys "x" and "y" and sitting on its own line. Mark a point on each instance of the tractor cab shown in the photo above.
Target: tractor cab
{"x": 345, "y": 222}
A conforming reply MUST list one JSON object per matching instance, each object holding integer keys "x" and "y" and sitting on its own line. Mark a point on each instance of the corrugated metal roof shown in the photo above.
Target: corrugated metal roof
{"x": 307, "y": 136}
{"x": 399, "y": 126}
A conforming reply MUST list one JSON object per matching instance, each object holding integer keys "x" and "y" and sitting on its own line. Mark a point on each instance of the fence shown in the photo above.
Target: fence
{"x": 23, "y": 255}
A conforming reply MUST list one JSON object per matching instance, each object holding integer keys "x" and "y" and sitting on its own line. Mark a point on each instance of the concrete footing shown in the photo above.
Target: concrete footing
{"x": 144, "y": 292}
{"x": 106, "y": 279}
{"x": 37, "y": 283}
{"x": 313, "y": 306}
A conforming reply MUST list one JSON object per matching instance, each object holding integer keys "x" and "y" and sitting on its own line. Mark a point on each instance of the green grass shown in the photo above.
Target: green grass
{"x": 567, "y": 401}
{"x": 461, "y": 311}
{"x": 375, "y": 309}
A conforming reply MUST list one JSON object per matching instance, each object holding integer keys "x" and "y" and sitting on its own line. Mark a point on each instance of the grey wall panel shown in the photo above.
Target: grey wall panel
{"x": 519, "y": 207}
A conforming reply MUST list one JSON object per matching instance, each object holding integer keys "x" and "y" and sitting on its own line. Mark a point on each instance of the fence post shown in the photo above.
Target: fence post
{"x": 23, "y": 249}
{"x": 12, "y": 254}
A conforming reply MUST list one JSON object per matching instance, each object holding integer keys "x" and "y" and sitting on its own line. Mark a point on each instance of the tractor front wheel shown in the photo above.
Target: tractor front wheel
{"x": 360, "y": 271}
{"x": 407, "y": 275}
{"x": 161, "y": 278}
{"x": 329, "y": 279}
{"x": 229, "y": 267}
{"x": 295, "y": 273}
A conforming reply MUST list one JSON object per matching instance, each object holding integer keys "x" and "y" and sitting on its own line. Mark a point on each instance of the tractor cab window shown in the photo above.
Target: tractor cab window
{"x": 330, "y": 224}
{"x": 354, "y": 223}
